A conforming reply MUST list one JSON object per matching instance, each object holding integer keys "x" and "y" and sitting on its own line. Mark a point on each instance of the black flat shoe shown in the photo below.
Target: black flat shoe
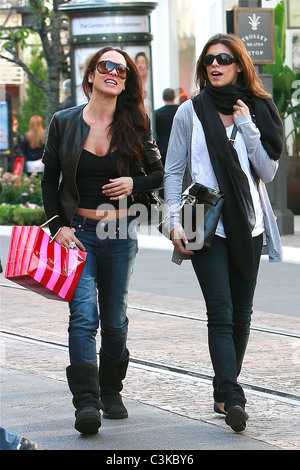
{"x": 217, "y": 409}
{"x": 236, "y": 418}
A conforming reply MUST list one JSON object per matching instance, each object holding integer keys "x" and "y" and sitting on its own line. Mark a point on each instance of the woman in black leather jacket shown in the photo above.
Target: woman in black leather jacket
{"x": 104, "y": 152}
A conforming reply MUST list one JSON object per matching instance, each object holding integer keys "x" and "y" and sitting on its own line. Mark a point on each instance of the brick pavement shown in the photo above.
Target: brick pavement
{"x": 272, "y": 361}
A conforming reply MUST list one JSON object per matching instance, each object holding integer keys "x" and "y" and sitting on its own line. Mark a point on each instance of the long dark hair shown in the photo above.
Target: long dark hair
{"x": 238, "y": 49}
{"x": 129, "y": 124}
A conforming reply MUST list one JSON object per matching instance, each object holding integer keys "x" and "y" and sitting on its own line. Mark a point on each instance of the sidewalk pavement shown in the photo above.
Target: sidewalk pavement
{"x": 40, "y": 408}
{"x": 167, "y": 411}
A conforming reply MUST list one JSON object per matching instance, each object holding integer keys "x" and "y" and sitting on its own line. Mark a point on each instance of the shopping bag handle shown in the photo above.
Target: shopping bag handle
{"x": 47, "y": 221}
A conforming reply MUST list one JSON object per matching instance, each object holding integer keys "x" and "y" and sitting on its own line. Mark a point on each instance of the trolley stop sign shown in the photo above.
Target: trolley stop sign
{"x": 255, "y": 27}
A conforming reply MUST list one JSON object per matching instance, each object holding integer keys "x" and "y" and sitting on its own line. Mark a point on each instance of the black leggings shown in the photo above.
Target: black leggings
{"x": 229, "y": 302}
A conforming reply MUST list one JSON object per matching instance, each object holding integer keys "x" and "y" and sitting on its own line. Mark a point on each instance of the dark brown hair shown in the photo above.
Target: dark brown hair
{"x": 129, "y": 124}
{"x": 248, "y": 75}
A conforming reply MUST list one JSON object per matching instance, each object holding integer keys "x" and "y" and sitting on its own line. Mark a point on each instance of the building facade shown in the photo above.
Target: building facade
{"x": 182, "y": 27}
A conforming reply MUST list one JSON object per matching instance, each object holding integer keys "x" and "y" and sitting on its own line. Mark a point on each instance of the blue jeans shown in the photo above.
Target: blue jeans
{"x": 229, "y": 301}
{"x": 102, "y": 290}
{"x": 8, "y": 440}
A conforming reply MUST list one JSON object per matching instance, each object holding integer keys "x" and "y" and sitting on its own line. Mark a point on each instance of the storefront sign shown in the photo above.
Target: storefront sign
{"x": 109, "y": 25}
{"x": 255, "y": 27}
{"x": 10, "y": 73}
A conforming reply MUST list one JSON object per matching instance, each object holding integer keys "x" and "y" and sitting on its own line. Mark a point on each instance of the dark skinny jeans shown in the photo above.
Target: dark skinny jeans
{"x": 229, "y": 302}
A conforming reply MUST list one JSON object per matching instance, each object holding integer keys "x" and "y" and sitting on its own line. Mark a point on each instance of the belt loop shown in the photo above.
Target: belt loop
{"x": 82, "y": 225}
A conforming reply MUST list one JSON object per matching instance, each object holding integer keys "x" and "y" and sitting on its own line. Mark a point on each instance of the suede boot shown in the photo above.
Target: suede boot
{"x": 111, "y": 374}
{"x": 84, "y": 384}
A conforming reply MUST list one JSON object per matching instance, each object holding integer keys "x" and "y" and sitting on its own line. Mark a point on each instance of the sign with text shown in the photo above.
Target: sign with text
{"x": 255, "y": 27}
{"x": 10, "y": 73}
{"x": 110, "y": 24}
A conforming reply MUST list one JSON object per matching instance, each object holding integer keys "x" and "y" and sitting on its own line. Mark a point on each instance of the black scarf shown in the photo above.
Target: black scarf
{"x": 264, "y": 113}
{"x": 238, "y": 212}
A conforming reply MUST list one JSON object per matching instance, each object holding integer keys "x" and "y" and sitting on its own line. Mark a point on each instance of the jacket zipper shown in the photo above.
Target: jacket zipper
{"x": 83, "y": 140}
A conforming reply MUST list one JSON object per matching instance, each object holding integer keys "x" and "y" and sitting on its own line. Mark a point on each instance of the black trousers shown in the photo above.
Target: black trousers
{"x": 229, "y": 303}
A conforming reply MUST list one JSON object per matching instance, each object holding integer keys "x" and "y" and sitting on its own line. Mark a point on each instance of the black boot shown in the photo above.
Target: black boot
{"x": 111, "y": 374}
{"x": 84, "y": 384}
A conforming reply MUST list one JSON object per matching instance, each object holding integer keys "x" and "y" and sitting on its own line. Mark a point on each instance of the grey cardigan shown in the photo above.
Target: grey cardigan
{"x": 181, "y": 153}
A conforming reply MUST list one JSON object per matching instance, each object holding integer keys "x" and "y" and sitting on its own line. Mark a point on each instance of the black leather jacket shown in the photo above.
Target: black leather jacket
{"x": 67, "y": 134}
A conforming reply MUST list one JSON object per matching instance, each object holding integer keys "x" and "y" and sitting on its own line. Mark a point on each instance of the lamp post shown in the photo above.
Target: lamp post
{"x": 97, "y": 23}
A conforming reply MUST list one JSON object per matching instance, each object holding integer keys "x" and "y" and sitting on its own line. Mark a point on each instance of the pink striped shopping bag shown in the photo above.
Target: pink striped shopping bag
{"x": 42, "y": 266}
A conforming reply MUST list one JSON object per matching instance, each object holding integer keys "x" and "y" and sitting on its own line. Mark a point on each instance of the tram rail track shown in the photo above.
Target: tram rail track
{"x": 187, "y": 317}
{"x": 162, "y": 368}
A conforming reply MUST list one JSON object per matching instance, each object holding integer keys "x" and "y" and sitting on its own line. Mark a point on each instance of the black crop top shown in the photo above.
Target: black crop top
{"x": 93, "y": 172}
{"x": 51, "y": 181}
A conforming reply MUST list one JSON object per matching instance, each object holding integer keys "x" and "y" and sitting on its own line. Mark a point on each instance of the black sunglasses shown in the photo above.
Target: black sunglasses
{"x": 222, "y": 59}
{"x": 106, "y": 66}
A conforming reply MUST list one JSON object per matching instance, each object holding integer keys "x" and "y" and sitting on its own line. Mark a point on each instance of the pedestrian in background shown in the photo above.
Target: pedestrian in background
{"x": 100, "y": 148}
{"x": 163, "y": 124}
{"x": 163, "y": 121}
{"x": 230, "y": 94}
{"x": 33, "y": 145}
{"x": 67, "y": 102}
{"x": 17, "y": 138}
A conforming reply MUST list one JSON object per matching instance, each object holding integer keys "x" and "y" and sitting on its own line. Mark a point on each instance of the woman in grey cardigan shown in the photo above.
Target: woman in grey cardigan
{"x": 230, "y": 94}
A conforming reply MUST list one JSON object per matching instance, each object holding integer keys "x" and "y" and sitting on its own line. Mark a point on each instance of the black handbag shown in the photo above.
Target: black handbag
{"x": 151, "y": 202}
{"x": 200, "y": 212}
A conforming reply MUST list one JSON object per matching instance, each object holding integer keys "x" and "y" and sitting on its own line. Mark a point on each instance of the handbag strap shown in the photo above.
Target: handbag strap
{"x": 232, "y": 138}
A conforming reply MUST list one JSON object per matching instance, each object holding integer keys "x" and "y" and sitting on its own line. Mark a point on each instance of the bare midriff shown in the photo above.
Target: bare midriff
{"x": 102, "y": 214}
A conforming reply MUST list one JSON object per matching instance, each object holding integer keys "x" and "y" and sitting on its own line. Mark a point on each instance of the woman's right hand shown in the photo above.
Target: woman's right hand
{"x": 179, "y": 240}
{"x": 67, "y": 235}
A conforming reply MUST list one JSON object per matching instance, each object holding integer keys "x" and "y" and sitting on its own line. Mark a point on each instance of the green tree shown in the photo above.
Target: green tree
{"x": 48, "y": 26}
{"x": 35, "y": 101}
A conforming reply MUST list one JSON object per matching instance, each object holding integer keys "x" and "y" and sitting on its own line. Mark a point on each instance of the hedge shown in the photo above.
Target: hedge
{"x": 21, "y": 199}
{"x": 20, "y": 215}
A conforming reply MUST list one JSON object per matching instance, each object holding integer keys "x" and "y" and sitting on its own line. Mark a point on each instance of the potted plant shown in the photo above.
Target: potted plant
{"x": 286, "y": 97}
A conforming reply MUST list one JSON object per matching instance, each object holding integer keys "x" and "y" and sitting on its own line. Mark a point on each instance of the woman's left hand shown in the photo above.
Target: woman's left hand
{"x": 240, "y": 109}
{"x": 118, "y": 188}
